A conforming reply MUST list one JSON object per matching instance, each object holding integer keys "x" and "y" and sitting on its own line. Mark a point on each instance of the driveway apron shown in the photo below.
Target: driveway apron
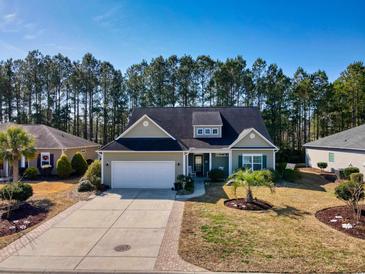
{"x": 120, "y": 230}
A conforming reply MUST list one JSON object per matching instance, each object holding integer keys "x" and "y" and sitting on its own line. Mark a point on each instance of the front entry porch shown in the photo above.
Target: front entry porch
{"x": 199, "y": 164}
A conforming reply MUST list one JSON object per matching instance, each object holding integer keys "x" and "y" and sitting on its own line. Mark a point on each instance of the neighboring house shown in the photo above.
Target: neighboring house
{"x": 161, "y": 143}
{"x": 49, "y": 144}
{"x": 339, "y": 150}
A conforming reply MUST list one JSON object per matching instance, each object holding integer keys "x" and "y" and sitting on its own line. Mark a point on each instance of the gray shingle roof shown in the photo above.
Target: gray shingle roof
{"x": 207, "y": 118}
{"x": 353, "y": 138}
{"x": 48, "y": 137}
{"x": 178, "y": 121}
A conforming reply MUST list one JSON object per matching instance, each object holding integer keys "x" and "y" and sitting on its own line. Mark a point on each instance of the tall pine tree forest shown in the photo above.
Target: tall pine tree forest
{"x": 92, "y": 99}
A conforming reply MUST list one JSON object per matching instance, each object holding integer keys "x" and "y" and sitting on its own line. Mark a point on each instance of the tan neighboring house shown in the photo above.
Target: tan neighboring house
{"x": 50, "y": 143}
{"x": 161, "y": 143}
{"x": 339, "y": 150}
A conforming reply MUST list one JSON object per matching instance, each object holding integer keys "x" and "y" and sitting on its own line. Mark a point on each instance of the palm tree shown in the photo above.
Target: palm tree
{"x": 15, "y": 142}
{"x": 248, "y": 179}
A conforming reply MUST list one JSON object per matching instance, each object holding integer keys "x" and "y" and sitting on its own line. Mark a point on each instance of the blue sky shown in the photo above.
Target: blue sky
{"x": 313, "y": 34}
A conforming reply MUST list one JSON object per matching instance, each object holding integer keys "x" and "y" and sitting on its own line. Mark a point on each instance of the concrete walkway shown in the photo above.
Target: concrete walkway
{"x": 199, "y": 190}
{"x": 119, "y": 231}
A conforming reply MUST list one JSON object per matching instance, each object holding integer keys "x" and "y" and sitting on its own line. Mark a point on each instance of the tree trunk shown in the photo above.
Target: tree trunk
{"x": 249, "y": 196}
{"x": 15, "y": 169}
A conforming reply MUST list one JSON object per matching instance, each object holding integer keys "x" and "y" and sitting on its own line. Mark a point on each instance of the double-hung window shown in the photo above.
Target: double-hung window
{"x": 215, "y": 131}
{"x": 207, "y": 131}
{"x": 252, "y": 161}
{"x": 199, "y": 131}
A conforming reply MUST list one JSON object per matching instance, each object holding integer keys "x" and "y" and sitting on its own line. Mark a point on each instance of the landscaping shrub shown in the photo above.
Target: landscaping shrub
{"x": 216, "y": 175}
{"x": 352, "y": 192}
{"x": 79, "y": 164}
{"x": 93, "y": 174}
{"x": 322, "y": 165}
{"x": 349, "y": 170}
{"x": 184, "y": 183}
{"x": 357, "y": 178}
{"x": 63, "y": 167}
{"x": 16, "y": 191}
{"x": 30, "y": 173}
{"x": 86, "y": 186}
{"x": 94, "y": 169}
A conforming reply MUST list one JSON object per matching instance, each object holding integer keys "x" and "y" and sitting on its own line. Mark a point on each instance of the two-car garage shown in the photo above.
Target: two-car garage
{"x": 142, "y": 174}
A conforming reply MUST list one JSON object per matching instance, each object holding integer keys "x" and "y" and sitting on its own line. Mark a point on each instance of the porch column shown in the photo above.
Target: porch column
{"x": 230, "y": 162}
{"x": 210, "y": 161}
{"x": 184, "y": 163}
{"x": 274, "y": 160}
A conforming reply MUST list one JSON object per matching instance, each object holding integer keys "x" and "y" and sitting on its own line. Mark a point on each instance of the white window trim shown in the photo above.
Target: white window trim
{"x": 216, "y": 130}
{"x": 209, "y": 129}
{"x": 197, "y": 131}
{"x": 49, "y": 158}
{"x": 252, "y": 163}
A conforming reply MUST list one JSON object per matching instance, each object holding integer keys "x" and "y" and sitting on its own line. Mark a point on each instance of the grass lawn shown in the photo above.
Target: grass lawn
{"x": 287, "y": 238}
{"x": 56, "y": 196}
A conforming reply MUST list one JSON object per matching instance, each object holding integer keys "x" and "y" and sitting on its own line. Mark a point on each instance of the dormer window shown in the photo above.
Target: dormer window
{"x": 207, "y": 124}
{"x": 207, "y": 131}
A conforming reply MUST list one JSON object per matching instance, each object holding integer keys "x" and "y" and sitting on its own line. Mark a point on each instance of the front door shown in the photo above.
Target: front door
{"x": 198, "y": 162}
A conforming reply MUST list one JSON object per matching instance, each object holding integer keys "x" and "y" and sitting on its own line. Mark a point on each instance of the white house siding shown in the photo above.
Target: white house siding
{"x": 342, "y": 158}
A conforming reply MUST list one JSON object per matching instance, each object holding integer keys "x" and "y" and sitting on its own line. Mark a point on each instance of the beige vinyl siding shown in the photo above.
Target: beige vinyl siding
{"x": 269, "y": 155}
{"x": 258, "y": 141}
{"x": 140, "y": 131}
{"x": 108, "y": 157}
{"x": 342, "y": 159}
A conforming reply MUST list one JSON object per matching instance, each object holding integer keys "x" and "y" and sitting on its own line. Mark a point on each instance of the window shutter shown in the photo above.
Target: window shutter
{"x": 39, "y": 161}
{"x": 264, "y": 161}
{"x": 239, "y": 161}
{"x": 52, "y": 160}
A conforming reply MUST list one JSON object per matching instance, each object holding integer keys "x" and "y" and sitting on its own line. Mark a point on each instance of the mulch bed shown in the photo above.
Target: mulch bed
{"x": 243, "y": 205}
{"x": 343, "y": 215}
{"x": 21, "y": 218}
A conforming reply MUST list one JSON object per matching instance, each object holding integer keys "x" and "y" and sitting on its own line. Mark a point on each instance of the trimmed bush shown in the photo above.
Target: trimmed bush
{"x": 86, "y": 186}
{"x": 63, "y": 167}
{"x": 16, "y": 191}
{"x": 322, "y": 165}
{"x": 79, "y": 164}
{"x": 30, "y": 173}
{"x": 184, "y": 183}
{"x": 349, "y": 170}
{"x": 346, "y": 191}
{"x": 357, "y": 178}
{"x": 216, "y": 175}
{"x": 93, "y": 174}
{"x": 94, "y": 169}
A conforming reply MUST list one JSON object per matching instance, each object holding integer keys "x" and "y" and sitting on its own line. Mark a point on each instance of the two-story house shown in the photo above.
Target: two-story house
{"x": 161, "y": 143}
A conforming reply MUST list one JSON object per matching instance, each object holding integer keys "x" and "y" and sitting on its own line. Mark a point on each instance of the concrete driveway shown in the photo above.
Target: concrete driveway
{"x": 121, "y": 230}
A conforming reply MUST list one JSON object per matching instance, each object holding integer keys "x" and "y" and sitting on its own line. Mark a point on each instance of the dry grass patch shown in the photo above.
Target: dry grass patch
{"x": 287, "y": 238}
{"x": 55, "y": 196}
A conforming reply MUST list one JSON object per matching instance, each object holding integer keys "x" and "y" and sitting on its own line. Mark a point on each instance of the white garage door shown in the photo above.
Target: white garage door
{"x": 143, "y": 174}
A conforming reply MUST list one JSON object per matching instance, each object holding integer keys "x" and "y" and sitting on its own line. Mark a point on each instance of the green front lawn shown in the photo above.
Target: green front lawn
{"x": 287, "y": 238}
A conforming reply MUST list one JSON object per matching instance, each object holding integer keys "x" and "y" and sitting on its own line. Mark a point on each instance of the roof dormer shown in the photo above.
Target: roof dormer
{"x": 207, "y": 124}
